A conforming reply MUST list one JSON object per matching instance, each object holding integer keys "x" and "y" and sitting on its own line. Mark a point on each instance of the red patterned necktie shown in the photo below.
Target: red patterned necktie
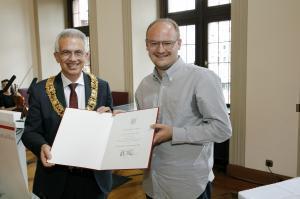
{"x": 73, "y": 102}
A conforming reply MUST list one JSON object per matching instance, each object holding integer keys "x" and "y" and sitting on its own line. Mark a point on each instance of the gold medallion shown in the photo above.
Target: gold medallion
{"x": 58, "y": 107}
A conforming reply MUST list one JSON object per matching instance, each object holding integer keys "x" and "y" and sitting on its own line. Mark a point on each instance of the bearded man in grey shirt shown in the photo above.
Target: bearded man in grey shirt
{"x": 192, "y": 116}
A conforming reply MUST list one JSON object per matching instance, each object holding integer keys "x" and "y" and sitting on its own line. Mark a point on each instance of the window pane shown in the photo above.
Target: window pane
{"x": 76, "y": 20}
{"x": 214, "y": 30}
{"x": 183, "y": 34}
{"x": 224, "y": 31}
{"x": 179, "y": 5}
{"x": 213, "y": 53}
{"x": 219, "y": 53}
{"x": 188, "y": 45}
{"x": 190, "y": 54}
{"x": 214, "y": 67}
{"x": 80, "y": 13}
{"x": 217, "y": 2}
{"x": 87, "y": 65}
{"x": 224, "y": 72}
{"x": 226, "y": 92}
{"x": 224, "y": 52}
{"x": 182, "y": 52}
{"x": 190, "y": 32}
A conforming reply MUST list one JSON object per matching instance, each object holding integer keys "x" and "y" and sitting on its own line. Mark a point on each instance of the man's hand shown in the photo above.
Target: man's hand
{"x": 46, "y": 155}
{"x": 115, "y": 112}
{"x": 163, "y": 133}
{"x": 104, "y": 109}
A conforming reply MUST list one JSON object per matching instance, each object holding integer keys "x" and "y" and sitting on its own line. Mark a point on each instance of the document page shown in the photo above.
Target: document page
{"x": 130, "y": 140}
{"x": 104, "y": 142}
{"x": 81, "y": 138}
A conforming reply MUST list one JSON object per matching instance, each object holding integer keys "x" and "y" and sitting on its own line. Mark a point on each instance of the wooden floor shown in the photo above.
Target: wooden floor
{"x": 224, "y": 187}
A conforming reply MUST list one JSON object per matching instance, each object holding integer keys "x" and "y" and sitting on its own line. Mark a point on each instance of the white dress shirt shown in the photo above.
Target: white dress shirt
{"x": 80, "y": 90}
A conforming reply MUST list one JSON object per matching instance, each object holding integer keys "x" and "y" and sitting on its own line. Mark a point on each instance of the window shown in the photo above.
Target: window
{"x": 217, "y": 2}
{"x": 80, "y": 13}
{"x": 78, "y": 18}
{"x": 205, "y": 30}
{"x": 219, "y": 45}
{"x": 188, "y": 44}
{"x": 179, "y": 5}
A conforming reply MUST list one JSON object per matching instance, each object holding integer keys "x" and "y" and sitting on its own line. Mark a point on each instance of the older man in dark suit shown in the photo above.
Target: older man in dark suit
{"x": 49, "y": 98}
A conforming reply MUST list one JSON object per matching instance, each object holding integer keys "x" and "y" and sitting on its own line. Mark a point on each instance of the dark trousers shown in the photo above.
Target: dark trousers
{"x": 205, "y": 195}
{"x": 82, "y": 184}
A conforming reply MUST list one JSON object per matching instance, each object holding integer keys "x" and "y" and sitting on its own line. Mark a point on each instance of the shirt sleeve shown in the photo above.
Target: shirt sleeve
{"x": 214, "y": 124}
{"x": 137, "y": 98}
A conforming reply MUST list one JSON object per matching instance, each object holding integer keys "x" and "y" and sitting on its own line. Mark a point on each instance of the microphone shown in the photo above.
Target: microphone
{"x": 9, "y": 83}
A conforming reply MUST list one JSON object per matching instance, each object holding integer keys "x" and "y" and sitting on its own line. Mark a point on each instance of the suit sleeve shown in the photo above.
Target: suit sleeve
{"x": 33, "y": 136}
{"x": 104, "y": 94}
{"x": 109, "y": 101}
{"x": 1, "y": 99}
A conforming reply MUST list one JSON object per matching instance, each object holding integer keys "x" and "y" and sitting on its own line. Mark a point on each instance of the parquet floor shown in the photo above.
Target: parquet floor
{"x": 131, "y": 190}
{"x": 224, "y": 187}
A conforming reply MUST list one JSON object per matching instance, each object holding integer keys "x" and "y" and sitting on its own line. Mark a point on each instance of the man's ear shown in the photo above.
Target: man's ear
{"x": 87, "y": 55}
{"x": 179, "y": 43}
{"x": 146, "y": 46}
{"x": 57, "y": 57}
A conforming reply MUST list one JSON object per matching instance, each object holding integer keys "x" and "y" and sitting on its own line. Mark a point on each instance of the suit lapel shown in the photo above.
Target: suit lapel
{"x": 87, "y": 86}
{"x": 60, "y": 94}
{"x": 60, "y": 90}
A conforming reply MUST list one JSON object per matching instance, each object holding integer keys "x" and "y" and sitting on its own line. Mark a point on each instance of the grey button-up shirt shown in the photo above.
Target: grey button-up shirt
{"x": 190, "y": 99}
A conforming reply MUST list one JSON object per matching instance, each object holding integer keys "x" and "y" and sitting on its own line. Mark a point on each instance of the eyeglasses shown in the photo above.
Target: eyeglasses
{"x": 66, "y": 54}
{"x": 167, "y": 45}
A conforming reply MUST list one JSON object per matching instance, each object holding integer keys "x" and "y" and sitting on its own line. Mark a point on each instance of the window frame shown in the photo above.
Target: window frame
{"x": 70, "y": 21}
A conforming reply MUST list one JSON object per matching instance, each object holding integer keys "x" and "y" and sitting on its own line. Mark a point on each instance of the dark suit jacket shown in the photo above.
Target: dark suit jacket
{"x": 41, "y": 126}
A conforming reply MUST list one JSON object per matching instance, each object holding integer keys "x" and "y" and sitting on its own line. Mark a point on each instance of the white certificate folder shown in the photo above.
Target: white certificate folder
{"x": 97, "y": 141}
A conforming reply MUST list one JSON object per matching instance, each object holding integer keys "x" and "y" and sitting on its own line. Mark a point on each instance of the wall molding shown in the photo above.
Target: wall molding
{"x": 298, "y": 162}
{"x": 239, "y": 17}
{"x": 36, "y": 50}
{"x": 253, "y": 175}
{"x": 127, "y": 43}
{"x": 94, "y": 43}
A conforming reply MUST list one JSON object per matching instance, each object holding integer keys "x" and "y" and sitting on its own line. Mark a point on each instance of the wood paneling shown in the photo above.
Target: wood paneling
{"x": 254, "y": 176}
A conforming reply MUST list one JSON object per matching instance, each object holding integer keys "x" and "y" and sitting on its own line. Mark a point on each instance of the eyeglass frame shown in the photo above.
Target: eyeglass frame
{"x": 66, "y": 54}
{"x": 156, "y": 44}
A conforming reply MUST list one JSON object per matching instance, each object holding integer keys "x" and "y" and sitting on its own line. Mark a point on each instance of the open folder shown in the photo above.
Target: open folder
{"x": 101, "y": 141}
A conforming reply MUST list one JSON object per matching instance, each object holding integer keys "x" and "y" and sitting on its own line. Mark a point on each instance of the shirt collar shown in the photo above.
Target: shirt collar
{"x": 170, "y": 73}
{"x": 66, "y": 81}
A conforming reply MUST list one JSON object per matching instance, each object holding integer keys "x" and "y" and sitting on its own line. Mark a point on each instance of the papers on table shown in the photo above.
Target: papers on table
{"x": 288, "y": 189}
{"x": 104, "y": 142}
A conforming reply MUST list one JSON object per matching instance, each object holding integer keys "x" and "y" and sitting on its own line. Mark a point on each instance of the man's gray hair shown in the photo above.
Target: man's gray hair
{"x": 166, "y": 20}
{"x": 71, "y": 32}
